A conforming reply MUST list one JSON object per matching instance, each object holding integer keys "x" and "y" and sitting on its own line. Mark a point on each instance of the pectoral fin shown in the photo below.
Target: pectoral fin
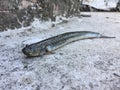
{"x": 49, "y": 53}
{"x": 49, "y": 50}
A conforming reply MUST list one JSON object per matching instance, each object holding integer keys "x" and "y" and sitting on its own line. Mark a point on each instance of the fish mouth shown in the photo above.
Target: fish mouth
{"x": 24, "y": 52}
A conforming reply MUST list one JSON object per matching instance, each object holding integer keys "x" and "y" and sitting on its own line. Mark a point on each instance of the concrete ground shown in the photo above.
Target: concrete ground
{"x": 82, "y": 65}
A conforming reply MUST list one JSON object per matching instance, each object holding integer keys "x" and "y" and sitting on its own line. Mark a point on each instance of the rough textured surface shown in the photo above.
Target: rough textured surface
{"x": 82, "y": 65}
{"x": 18, "y": 13}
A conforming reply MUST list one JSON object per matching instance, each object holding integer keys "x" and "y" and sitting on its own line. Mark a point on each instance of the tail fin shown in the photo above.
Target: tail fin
{"x": 106, "y": 37}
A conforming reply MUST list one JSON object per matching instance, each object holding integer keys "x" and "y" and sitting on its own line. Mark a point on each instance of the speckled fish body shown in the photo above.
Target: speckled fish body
{"x": 53, "y": 43}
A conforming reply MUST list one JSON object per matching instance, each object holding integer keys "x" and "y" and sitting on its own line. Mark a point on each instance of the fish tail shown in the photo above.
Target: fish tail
{"x": 106, "y": 37}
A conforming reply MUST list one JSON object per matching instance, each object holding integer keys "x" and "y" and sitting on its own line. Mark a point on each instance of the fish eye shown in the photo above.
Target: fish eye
{"x": 33, "y": 48}
{"x": 27, "y": 45}
{"x": 28, "y": 48}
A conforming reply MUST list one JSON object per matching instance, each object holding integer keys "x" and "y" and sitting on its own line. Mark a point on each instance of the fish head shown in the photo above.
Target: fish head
{"x": 31, "y": 50}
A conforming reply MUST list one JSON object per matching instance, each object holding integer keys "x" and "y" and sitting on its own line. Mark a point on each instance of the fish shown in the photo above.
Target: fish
{"x": 51, "y": 44}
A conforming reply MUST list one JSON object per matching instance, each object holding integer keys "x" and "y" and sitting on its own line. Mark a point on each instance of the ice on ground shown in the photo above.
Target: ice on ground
{"x": 82, "y": 65}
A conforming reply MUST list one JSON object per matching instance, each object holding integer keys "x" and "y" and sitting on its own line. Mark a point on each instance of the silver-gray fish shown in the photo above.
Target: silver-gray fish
{"x": 49, "y": 45}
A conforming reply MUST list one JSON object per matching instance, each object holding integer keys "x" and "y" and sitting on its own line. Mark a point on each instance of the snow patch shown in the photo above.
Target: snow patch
{"x": 101, "y": 4}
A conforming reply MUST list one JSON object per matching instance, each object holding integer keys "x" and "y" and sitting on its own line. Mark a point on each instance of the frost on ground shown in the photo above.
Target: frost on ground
{"x": 82, "y": 65}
